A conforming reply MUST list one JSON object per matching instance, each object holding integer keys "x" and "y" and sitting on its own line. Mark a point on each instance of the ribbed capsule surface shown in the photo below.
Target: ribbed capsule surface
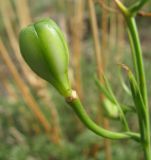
{"x": 44, "y": 48}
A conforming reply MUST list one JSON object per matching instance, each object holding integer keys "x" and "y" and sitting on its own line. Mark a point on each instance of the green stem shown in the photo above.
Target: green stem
{"x": 140, "y": 77}
{"x": 81, "y": 113}
{"x": 137, "y": 6}
{"x": 142, "y": 114}
{"x": 137, "y": 56}
{"x": 139, "y": 71}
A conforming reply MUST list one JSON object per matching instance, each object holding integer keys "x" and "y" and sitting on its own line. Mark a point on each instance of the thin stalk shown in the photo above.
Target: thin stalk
{"x": 120, "y": 36}
{"x": 142, "y": 115}
{"x": 104, "y": 18}
{"x": 77, "y": 35}
{"x": 23, "y": 12}
{"x": 76, "y": 105}
{"x": 104, "y": 26}
{"x": 112, "y": 29}
{"x": 137, "y": 56}
{"x": 99, "y": 67}
{"x": 144, "y": 14}
{"x": 95, "y": 32}
{"x": 140, "y": 75}
{"x": 139, "y": 71}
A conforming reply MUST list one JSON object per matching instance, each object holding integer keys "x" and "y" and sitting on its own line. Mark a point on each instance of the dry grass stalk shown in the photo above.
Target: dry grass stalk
{"x": 100, "y": 67}
{"x": 32, "y": 79}
{"x": 113, "y": 28}
{"x": 120, "y": 36}
{"x": 104, "y": 26}
{"x": 95, "y": 32}
{"x": 24, "y": 89}
{"x": 144, "y": 14}
{"x": 77, "y": 35}
{"x": 9, "y": 29}
{"x": 106, "y": 7}
{"x": 23, "y": 12}
{"x": 108, "y": 152}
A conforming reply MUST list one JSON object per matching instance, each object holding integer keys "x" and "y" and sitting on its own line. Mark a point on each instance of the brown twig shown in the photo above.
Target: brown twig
{"x": 76, "y": 38}
{"x": 95, "y": 32}
{"x": 104, "y": 26}
{"x": 104, "y": 19}
{"x": 106, "y": 7}
{"x": 144, "y": 14}
{"x": 23, "y": 12}
{"x": 113, "y": 29}
{"x": 120, "y": 36}
{"x": 100, "y": 68}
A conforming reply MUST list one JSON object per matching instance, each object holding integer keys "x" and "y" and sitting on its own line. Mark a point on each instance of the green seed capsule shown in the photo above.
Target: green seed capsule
{"x": 45, "y": 50}
{"x": 111, "y": 110}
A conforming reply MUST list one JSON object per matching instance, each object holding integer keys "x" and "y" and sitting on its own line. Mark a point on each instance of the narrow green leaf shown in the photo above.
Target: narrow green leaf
{"x": 103, "y": 90}
{"x": 137, "y": 97}
{"x": 125, "y": 87}
{"x": 115, "y": 101}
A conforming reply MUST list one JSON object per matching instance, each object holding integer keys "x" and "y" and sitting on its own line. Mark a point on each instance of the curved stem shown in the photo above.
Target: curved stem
{"x": 81, "y": 113}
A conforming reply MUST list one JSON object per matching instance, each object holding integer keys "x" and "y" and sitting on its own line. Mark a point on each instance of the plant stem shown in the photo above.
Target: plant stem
{"x": 137, "y": 56}
{"x": 140, "y": 76}
{"x": 129, "y": 15}
{"x": 76, "y": 21}
{"x": 146, "y": 142}
{"x": 76, "y": 105}
{"x": 142, "y": 114}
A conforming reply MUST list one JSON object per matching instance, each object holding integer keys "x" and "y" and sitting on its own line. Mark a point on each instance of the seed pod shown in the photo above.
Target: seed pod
{"x": 111, "y": 110}
{"x": 44, "y": 48}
